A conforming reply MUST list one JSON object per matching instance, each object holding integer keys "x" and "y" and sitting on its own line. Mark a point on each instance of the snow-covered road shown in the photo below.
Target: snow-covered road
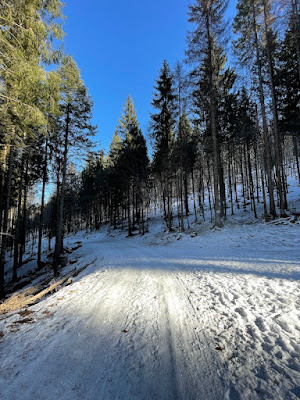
{"x": 185, "y": 320}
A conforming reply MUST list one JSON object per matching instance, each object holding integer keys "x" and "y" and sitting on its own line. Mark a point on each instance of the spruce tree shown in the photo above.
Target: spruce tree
{"x": 270, "y": 45}
{"x": 204, "y": 46}
{"x": 248, "y": 47}
{"x": 115, "y": 181}
{"x": 133, "y": 162}
{"x": 295, "y": 19}
{"x": 288, "y": 88}
{"x": 75, "y": 127}
{"x": 162, "y": 126}
{"x": 26, "y": 39}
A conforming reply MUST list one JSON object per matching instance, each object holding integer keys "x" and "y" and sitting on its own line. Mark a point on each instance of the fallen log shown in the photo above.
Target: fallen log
{"x": 53, "y": 287}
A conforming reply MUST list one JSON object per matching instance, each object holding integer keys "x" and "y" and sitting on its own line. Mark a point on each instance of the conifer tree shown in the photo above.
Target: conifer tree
{"x": 162, "y": 125}
{"x": 295, "y": 19}
{"x": 179, "y": 83}
{"x": 246, "y": 131}
{"x": 27, "y": 30}
{"x": 133, "y": 162}
{"x": 114, "y": 178}
{"x": 249, "y": 51}
{"x": 288, "y": 88}
{"x": 52, "y": 115}
{"x": 75, "y": 127}
{"x": 128, "y": 122}
{"x": 270, "y": 44}
{"x": 204, "y": 46}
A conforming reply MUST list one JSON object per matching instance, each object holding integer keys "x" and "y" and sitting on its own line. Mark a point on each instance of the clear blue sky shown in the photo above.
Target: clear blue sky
{"x": 119, "y": 47}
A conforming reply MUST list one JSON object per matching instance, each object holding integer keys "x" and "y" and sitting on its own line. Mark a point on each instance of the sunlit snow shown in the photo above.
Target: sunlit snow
{"x": 166, "y": 316}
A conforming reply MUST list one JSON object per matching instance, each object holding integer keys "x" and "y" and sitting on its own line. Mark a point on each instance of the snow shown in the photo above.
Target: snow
{"x": 166, "y": 316}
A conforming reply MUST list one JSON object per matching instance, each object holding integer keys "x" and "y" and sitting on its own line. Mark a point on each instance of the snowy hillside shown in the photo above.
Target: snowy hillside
{"x": 204, "y": 315}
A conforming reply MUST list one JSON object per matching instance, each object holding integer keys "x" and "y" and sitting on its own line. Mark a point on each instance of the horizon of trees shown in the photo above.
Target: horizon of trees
{"x": 211, "y": 128}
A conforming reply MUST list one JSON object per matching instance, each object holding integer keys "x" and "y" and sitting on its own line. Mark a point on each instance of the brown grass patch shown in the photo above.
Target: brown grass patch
{"x": 19, "y": 299}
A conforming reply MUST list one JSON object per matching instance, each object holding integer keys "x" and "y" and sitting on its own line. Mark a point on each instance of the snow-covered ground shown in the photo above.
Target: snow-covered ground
{"x": 208, "y": 315}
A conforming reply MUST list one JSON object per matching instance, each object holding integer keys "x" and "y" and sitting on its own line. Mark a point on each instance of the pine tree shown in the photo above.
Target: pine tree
{"x": 248, "y": 49}
{"x": 204, "y": 52}
{"x": 247, "y": 133}
{"x": 75, "y": 126}
{"x": 52, "y": 115}
{"x": 132, "y": 162}
{"x": 26, "y": 37}
{"x": 128, "y": 121}
{"x": 270, "y": 44}
{"x": 180, "y": 80}
{"x": 288, "y": 88}
{"x": 114, "y": 177}
{"x": 162, "y": 125}
{"x": 295, "y": 19}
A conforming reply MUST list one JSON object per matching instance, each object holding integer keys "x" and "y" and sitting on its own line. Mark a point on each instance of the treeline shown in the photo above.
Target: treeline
{"x": 214, "y": 128}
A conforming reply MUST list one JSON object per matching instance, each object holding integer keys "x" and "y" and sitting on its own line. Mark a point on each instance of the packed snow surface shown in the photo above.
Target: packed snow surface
{"x": 165, "y": 316}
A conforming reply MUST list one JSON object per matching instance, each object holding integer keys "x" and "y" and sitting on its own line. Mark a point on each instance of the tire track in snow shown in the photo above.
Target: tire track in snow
{"x": 149, "y": 337}
{"x": 138, "y": 364}
{"x": 201, "y": 347}
{"x": 195, "y": 363}
{"x": 86, "y": 354}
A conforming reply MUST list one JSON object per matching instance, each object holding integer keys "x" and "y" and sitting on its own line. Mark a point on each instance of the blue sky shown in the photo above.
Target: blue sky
{"x": 119, "y": 47}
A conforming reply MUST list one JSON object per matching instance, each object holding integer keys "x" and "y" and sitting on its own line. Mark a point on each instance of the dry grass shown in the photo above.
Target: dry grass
{"x": 19, "y": 299}
{"x": 35, "y": 293}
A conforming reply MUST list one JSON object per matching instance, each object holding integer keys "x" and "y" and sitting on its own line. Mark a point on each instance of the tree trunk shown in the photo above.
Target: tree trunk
{"x": 4, "y": 232}
{"x": 209, "y": 189}
{"x": 256, "y": 172}
{"x": 181, "y": 173}
{"x": 222, "y": 187}
{"x": 2, "y": 181}
{"x": 41, "y": 221}
{"x": 251, "y": 179}
{"x": 296, "y": 27}
{"x": 229, "y": 179}
{"x": 264, "y": 195}
{"x": 60, "y": 219}
{"x": 264, "y": 118}
{"x": 169, "y": 204}
{"x": 278, "y": 149}
{"x": 296, "y": 155}
{"x": 17, "y": 227}
{"x": 129, "y": 214}
{"x": 194, "y": 195}
{"x": 24, "y": 216}
{"x": 213, "y": 122}
{"x": 162, "y": 183}
{"x": 143, "y": 221}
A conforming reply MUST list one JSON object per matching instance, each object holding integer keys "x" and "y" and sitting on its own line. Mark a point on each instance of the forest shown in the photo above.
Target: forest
{"x": 216, "y": 124}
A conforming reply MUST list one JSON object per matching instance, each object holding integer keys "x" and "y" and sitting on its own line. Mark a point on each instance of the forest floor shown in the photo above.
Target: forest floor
{"x": 205, "y": 314}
